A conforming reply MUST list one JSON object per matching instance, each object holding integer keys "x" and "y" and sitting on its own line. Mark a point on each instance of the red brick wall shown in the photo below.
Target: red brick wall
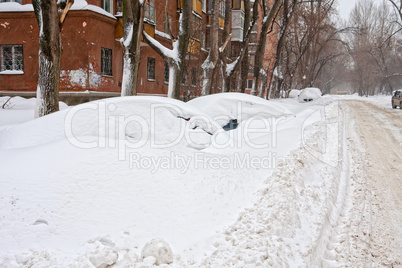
{"x": 82, "y": 40}
{"x": 21, "y": 28}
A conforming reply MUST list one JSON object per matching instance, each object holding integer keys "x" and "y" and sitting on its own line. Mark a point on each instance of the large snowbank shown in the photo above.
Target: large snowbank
{"x": 19, "y": 110}
{"x": 62, "y": 205}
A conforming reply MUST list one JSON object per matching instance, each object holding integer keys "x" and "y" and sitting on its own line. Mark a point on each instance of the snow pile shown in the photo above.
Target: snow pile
{"x": 291, "y": 221}
{"x": 309, "y": 94}
{"x": 19, "y": 110}
{"x": 158, "y": 249}
{"x": 294, "y": 93}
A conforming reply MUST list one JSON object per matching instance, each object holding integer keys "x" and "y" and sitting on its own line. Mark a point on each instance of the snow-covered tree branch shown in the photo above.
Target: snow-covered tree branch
{"x": 175, "y": 57}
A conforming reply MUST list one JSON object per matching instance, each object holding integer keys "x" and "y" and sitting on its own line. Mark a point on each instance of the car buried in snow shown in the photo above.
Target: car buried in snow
{"x": 397, "y": 99}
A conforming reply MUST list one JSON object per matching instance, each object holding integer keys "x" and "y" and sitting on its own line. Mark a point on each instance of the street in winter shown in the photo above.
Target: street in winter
{"x": 203, "y": 133}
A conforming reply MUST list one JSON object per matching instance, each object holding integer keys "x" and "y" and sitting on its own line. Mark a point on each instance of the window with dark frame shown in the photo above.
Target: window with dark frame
{"x": 193, "y": 77}
{"x": 249, "y": 83}
{"x": 166, "y": 73}
{"x": 151, "y": 69}
{"x": 12, "y": 58}
{"x": 106, "y": 61}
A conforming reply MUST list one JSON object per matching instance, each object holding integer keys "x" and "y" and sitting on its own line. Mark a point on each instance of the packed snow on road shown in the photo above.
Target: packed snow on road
{"x": 226, "y": 180}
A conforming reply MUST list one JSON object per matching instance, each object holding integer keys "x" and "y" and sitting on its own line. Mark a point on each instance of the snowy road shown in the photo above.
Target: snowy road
{"x": 370, "y": 233}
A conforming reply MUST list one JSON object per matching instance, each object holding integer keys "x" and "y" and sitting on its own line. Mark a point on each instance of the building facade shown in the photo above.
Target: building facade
{"x": 92, "y": 58}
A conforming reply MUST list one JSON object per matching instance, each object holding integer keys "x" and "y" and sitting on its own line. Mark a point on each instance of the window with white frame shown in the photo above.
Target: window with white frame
{"x": 150, "y": 11}
{"x": 11, "y": 58}
{"x": 107, "y": 5}
{"x": 106, "y": 61}
{"x": 222, "y": 9}
{"x": 197, "y": 26}
{"x": 151, "y": 69}
{"x": 202, "y": 40}
{"x": 204, "y": 6}
{"x": 168, "y": 24}
{"x": 237, "y": 25}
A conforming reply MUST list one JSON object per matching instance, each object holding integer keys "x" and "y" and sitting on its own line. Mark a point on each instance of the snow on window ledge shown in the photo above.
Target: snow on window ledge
{"x": 8, "y": 72}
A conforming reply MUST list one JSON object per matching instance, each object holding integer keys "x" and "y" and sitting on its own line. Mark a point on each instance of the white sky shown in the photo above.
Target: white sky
{"x": 345, "y": 6}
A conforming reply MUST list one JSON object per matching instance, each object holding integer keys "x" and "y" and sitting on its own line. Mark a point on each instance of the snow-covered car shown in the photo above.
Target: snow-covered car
{"x": 309, "y": 94}
{"x": 397, "y": 99}
{"x": 138, "y": 119}
{"x": 231, "y": 109}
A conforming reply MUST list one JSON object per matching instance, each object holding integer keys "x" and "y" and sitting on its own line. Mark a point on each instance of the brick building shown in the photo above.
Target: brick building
{"x": 92, "y": 53}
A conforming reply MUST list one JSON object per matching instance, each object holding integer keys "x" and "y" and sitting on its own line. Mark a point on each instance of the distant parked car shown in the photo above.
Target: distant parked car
{"x": 397, "y": 99}
{"x": 309, "y": 94}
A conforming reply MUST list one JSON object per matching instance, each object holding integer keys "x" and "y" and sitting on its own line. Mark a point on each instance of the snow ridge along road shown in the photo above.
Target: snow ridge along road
{"x": 291, "y": 223}
{"x": 369, "y": 233}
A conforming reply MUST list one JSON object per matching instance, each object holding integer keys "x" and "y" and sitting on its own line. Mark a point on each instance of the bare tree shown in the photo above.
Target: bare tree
{"x": 175, "y": 57}
{"x": 133, "y": 20}
{"x": 398, "y": 9}
{"x": 287, "y": 14}
{"x": 375, "y": 43}
{"x": 50, "y": 16}
{"x": 230, "y": 67}
{"x": 261, "y": 45}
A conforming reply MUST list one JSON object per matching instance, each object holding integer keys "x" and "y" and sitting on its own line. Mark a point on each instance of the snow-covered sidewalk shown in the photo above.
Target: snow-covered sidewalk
{"x": 275, "y": 197}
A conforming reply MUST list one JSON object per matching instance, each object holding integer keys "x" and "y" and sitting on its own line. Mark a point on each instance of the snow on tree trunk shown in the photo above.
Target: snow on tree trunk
{"x": 173, "y": 75}
{"x": 133, "y": 19}
{"x": 49, "y": 57}
{"x": 175, "y": 57}
{"x": 263, "y": 86}
{"x": 50, "y": 16}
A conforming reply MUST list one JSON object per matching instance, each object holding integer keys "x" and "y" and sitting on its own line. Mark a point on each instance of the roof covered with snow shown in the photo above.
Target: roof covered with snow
{"x": 78, "y": 5}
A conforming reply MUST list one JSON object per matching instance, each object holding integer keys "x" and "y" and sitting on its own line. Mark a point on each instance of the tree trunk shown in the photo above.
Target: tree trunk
{"x": 226, "y": 80}
{"x": 50, "y": 16}
{"x": 211, "y": 61}
{"x": 133, "y": 20}
{"x": 259, "y": 54}
{"x": 49, "y": 57}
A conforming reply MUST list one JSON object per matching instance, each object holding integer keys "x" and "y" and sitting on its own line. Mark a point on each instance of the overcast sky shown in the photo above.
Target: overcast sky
{"x": 345, "y": 6}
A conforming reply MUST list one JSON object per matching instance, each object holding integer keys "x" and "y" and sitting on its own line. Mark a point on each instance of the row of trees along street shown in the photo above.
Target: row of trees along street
{"x": 311, "y": 47}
